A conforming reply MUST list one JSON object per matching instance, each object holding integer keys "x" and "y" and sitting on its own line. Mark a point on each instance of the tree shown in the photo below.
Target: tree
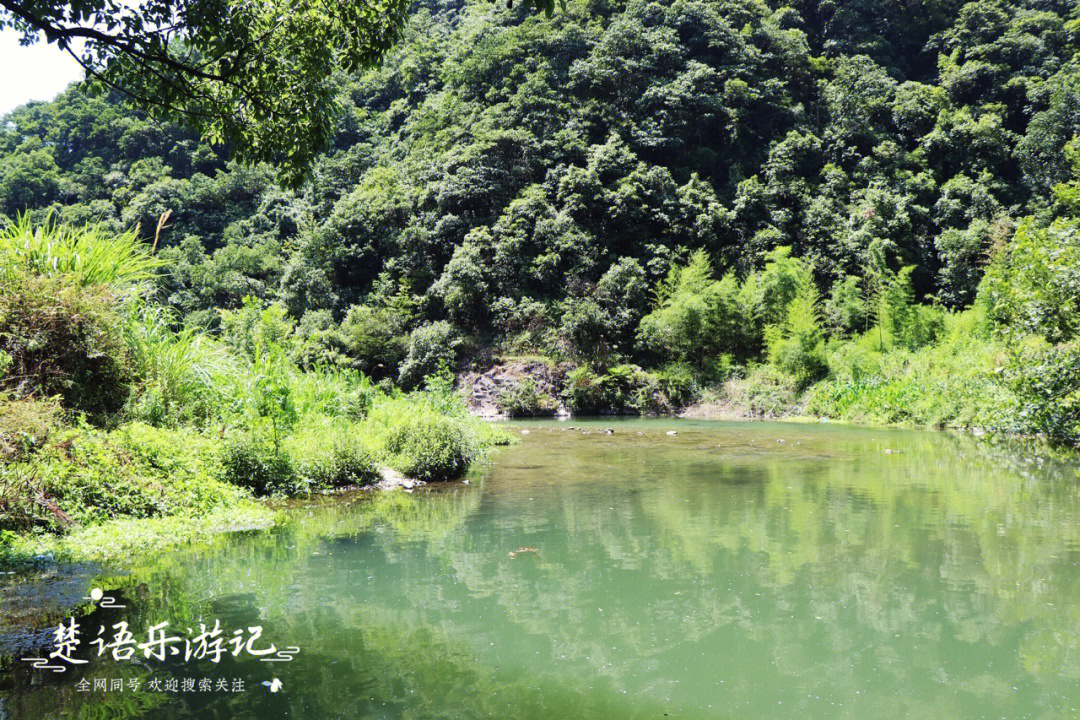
{"x": 259, "y": 76}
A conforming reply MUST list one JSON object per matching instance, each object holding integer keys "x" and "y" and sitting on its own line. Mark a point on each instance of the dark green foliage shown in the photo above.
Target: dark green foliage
{"x": 714, "y": 184}
{"x": 627, "y": 389}
{"x": 275, "y": 60}
{"x": 502, "y": 165}
{"x": 250, "y": 462}
{"x": 376, "y": 338}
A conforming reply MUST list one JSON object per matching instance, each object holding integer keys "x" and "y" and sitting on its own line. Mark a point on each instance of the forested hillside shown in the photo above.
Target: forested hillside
{"x": 716, "y": 184}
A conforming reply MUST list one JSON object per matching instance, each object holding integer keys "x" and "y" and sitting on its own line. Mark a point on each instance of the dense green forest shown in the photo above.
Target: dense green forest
{"x": 865, "y": 210}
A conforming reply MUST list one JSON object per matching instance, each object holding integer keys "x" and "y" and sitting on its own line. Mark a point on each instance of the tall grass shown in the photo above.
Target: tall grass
{"x": 84, "y": 256}
{"x": 182, "y": 371}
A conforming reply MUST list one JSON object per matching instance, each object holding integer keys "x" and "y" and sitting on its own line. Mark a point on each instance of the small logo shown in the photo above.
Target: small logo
{"x": 274, "y": 685}
{"x": 98, "y": 596}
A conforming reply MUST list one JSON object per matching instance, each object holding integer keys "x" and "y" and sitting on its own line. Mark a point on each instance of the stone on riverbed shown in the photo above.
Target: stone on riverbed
{"x": 391, "y": 479}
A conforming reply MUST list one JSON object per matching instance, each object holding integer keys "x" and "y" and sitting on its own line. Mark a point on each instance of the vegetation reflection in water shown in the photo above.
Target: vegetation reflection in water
{"x": 731, "y": 570}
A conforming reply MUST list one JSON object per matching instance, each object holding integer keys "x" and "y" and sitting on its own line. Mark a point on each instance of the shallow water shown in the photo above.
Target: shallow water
{"x": 728, "y": 571}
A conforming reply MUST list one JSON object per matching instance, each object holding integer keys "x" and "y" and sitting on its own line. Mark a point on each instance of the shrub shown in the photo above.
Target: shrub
{"x": 251, "y": 462}
{"x": 951, "y": 383}
{"x": 430, "y": 447}
{"x": 696, "y": 317}
{"x": 525, "y": 399}
{"x": 254, "y": 328}
{"x": 376, "y": 335}
{"x": 86, "y": 476}
{"x": 845, "y": 309}
{"x": 318, "y": 342}
{"x": 675, "y": 386}
{"x": 1034, "y": 285}
{"x": 328, "y": 454}
{"x": 764, "y": 392}
{"x": 584, "y": 328}
{"x": 1046, "y": 381}
{"x": 797, "y": 346}
{"x": 583, "y": 391}
{"x": 906, "y": 323}
{"x": 185, "y": 461}
{"x": 63, "y": 340}
{"x": 430, "y": 346}
{"x": 25, "y": 426}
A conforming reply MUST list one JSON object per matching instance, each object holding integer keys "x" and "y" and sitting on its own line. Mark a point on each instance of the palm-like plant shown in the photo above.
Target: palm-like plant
{"x": 85, "y": 256}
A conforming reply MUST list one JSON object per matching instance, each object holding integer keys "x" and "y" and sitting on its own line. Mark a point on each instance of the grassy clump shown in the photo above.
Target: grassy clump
{"x": 428, "y": 434}
{"x": 26, "y": 426}
{"x": 65, "y": 341}
{"x": 330, "y": 454}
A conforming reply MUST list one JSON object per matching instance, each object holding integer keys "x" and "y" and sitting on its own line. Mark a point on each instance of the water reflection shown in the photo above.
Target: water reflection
{"x": 739, "y": 571}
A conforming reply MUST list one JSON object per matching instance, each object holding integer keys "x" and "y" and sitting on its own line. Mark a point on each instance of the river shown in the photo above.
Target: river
{"x": 728, "y": 570}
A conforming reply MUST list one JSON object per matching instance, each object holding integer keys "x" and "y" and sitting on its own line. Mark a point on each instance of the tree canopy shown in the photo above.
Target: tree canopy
{"x": 525, "y": 182}
{"x": 258, "y": 76}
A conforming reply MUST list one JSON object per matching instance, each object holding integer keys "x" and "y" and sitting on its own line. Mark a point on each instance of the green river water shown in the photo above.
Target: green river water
{"x": 729, "y": 571}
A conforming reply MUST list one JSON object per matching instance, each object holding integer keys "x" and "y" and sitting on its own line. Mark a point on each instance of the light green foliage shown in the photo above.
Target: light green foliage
{"x": 255, "y": 329}
{"x": 180, "y": 370}
{"x": 906, "y": 323}
{"x": 768, "y": 293}
{"x": 696, "y": 317}
{"x": 763, "y": 391}
{"x": 85, "y": 257}
{"x": 845, "y": 309}
{"x": 1033, "y": 286}
{"x": 26, "y": 425}
{"x": 953, "y": 382}
{"x": 796, "y": 346}
{"x": 86, "y": 476}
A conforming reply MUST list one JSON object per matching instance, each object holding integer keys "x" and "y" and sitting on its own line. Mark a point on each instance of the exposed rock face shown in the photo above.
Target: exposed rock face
{"x": 483, "y": 389}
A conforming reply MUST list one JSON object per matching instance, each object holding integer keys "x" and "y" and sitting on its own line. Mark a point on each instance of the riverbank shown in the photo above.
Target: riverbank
{"x": 86, "y": 494}
{"x": 969, "y": 377}
{"x": 123, "y": 431}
